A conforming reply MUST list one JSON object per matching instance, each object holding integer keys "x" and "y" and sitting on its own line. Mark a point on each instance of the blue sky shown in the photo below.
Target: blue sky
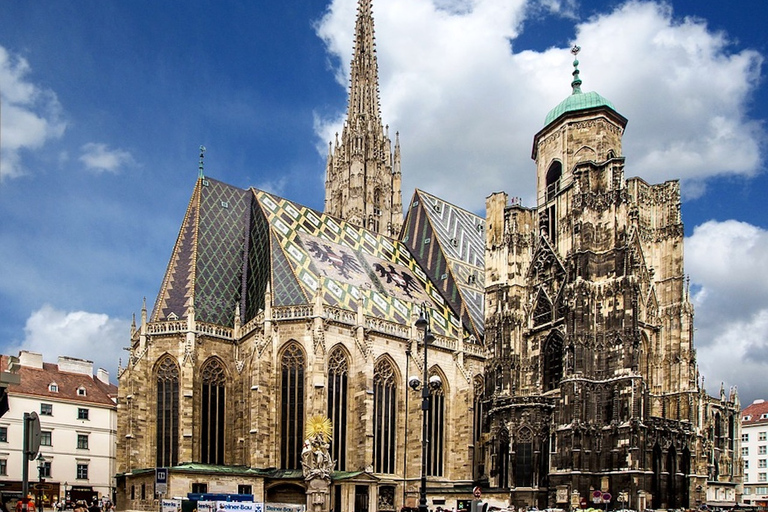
{"x": 105, "y": 103}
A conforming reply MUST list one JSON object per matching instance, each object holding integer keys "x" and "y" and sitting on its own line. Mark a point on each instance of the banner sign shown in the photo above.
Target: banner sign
{"x": 283, "y": 507}
{"x": 238, "y": 506}
{"x": 171, "y": 506}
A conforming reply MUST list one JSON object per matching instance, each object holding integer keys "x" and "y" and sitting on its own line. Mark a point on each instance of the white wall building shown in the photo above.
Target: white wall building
{"x": 754, "y": 452}
{"x": 78, "y": 424}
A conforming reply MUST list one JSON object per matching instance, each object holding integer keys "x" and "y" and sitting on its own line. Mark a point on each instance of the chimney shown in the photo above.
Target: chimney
{"x": 75, "y": 365}
{"x": 30, "y": 359}
{"x": 103, "y": 375}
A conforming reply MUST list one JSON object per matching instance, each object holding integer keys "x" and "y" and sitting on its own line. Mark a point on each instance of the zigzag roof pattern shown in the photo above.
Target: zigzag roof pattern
{"x": 449, "y": 242}
{"x": 354, "y": 267}
{"x": 233, "y": 243}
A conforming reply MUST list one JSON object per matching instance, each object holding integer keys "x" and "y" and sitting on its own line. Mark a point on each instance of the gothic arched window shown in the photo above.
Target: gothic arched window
{"x": 524, "y": 458}
{"x": 167, "y": 420}
{"x": 292, "y": 365}
{"x": 554, "y": 173}
{"x": 542, "y": 314}
{"x": 212, "y": 413}
{"x": 477, "y": 427}
{"x": 501, "y": 461}
{"x": 384, "y": 416}
{"x": 436, "y": 429}
{"x": 553, "y": 362}
{"x": 338, "y": 371}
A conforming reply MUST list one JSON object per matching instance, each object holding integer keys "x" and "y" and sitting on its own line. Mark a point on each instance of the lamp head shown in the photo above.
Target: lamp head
{"x": 422, "y": 323}
{"x": 414, "y": 383}
{"x": 435, "y": 382}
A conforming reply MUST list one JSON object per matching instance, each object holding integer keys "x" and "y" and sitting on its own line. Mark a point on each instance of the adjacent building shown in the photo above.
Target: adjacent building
{"x": 754, "y": 452}
{"x": 563, "y": 337}
{"x": 78, "y": 423}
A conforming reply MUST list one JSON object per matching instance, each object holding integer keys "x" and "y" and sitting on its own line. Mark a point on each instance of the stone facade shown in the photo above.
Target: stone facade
{"x": 250, "y": 355}
{"x": 592, "y": 382}
{"x": 563, "y": 338}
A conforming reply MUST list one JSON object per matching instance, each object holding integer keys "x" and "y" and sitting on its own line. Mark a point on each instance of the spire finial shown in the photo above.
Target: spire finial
{"x": 576, "y": 84}
{"x": 200, "y": 165}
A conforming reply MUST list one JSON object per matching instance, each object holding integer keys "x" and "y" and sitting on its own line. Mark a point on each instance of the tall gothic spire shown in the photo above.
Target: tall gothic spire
{"x": 363, "y": 174}
{"x": 364, "y": 73}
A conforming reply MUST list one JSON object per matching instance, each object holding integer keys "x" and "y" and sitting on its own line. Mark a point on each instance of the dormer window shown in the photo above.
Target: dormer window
{"x": 764, "y": 416}
{"x": 53, "y": 387}
{"x": 81, "y": 391}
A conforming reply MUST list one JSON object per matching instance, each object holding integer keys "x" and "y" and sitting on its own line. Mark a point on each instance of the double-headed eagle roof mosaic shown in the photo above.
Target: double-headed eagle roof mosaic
{"x": 236, "y": 244}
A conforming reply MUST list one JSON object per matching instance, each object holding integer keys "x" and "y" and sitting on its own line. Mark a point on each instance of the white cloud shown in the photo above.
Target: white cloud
{"x": 464, "y": 102}
{"x": 91, "y": 336}
{"x": 99, "y": 158}
{"x": 30, "y": 115}
{"x": 727, "y": 261}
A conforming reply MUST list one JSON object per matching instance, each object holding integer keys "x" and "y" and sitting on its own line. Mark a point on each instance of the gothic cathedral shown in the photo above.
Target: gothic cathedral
{"x": 559, "y": 341}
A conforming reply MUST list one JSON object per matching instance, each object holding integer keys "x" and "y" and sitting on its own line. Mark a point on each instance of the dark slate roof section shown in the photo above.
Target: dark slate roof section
{"x": 209, "y": 264}
{"x": 257, "y": 266}
{"x": 36, "y": 382}
{"x": 222, "y": 231}
{"x": 175, "y": 292}
{"x": 449, "y": 241}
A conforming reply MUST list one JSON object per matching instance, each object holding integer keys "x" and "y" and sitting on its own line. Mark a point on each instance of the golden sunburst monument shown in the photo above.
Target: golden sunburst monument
{"x": 319, "y": 425}
{"x": 317, "y": 462}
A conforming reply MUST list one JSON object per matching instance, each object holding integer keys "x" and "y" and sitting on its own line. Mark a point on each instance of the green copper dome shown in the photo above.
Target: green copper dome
{"x": 577, "y": 101}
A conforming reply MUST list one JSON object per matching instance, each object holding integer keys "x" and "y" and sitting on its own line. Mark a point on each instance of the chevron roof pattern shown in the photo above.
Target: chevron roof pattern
{"x": 450, "y": 242}
{"x": 233, "y": 243}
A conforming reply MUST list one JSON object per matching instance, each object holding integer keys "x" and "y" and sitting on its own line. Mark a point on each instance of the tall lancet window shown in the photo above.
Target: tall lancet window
{"x": 167, "y": 419}
{"x": 436, "y": 429}
{"x": 292, "y": 365}
{"x": 338, "y": 371}
{"x": 212, "y": 413}
{"x": 477, "y": 427}
{"x": 384, "y": 416}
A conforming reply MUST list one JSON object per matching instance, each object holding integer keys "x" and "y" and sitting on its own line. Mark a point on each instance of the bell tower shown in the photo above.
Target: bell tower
{"x": 363, "y": 178}
{"x": 579, "y": 146}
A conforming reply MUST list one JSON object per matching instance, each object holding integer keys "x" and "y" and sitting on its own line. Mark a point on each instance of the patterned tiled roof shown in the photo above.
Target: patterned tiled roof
{"x": 233, "y": 242}
{"x": 449, "y": 242}
{"x": 352, "y": 266}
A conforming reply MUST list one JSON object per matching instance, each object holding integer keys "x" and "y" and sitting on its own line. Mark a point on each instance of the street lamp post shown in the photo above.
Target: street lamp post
{"x": 40, "y": 480}
{"x": 422, "y": 324}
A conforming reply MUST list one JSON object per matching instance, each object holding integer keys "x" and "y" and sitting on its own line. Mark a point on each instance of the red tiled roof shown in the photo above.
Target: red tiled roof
{"x": 755, "y": 411}
{"x": 36, "y": 382}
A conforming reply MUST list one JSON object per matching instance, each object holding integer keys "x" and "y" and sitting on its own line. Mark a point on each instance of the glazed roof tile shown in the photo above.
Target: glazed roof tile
{"x": 234, "y": 243}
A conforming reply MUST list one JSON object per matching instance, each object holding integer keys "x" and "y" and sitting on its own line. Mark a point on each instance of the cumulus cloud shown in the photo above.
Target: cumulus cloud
{"x": 466, "y": 100}
{"x": 91, "y": 336}
{"x": 100, "y": 158}
{"x": 31, "y": 114}
{"x": 731, "y": 306}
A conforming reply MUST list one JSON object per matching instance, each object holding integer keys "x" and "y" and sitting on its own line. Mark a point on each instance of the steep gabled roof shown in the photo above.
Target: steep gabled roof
{"x": 449, "y": 243}
{"x": 233, "y": 243}
{"x": 352, "y": 266}
{"x": 206, "y": 267}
